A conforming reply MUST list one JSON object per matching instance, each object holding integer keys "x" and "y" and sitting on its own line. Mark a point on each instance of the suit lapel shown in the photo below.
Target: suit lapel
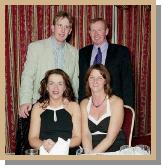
{"x": 88, "y": 55}
{"x": 49, "y": 52}
{"x": 109, "y": 54}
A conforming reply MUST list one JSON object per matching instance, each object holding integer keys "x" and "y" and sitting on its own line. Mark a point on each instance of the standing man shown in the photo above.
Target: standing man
{"x": 47, "y": 54}
{"x": 115, "y": 57}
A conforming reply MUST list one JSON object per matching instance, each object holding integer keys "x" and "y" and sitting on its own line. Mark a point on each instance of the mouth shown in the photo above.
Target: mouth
{"x": 96, "y": 38}
{"x": 95, "y": 86}
{"x": 61, "y": 35}
{"x": 55, "y": 92}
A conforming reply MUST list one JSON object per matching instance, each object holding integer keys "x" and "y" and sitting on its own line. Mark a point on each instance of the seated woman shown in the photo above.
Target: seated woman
{"x": 55, "y": 114}
{"x": 102, "y": 114}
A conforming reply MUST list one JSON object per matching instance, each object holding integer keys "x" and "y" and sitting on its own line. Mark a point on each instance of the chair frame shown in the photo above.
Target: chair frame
{"x": 132, "y": 124}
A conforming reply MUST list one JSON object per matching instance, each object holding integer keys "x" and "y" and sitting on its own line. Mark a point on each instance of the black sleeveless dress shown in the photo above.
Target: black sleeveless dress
{"x": 99, "y": 129}
{"x": 103, "y": 127}
{"x": 61, "y": 127}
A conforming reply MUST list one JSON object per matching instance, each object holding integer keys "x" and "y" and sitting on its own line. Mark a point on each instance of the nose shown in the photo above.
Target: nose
{"x": 95, "y": 33}
{"x": 55, "y": 86}
{"x": 63, "y": 29}
{"x": 95, "y": 80}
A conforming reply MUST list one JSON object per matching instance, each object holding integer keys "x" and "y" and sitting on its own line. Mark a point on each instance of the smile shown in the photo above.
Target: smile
{"x": 55, "y": 92}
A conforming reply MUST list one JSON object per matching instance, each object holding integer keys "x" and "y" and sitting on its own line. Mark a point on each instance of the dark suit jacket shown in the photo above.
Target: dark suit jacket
{"x": 118, "y": 64}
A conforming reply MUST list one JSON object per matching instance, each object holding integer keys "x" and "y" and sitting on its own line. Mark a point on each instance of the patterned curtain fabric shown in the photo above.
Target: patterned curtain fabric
{"x": 24, "y": 24}
{"x": 134, "y": 31}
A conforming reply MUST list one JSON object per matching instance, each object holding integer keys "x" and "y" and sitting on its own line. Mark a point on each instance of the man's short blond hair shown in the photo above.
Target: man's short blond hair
{"x": 63, "y": 14}
{"x": 98, "y": 19}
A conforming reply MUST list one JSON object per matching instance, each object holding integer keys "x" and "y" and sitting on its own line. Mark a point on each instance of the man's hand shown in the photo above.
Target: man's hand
{"x": 24, "y": 110}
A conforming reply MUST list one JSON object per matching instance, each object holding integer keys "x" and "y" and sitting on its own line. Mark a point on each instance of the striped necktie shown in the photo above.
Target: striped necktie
{"x": 98, "y": 58}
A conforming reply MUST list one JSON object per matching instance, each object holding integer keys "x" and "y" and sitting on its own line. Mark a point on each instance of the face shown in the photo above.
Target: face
{"x": 55, "y": 86}
{"x": 61, "y": 29}
{"x": 98, "y": 32}
{"x": 96, "y": 81}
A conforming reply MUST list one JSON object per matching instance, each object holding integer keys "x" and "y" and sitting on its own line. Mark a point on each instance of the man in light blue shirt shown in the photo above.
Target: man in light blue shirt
{"x": 47, "y": 54}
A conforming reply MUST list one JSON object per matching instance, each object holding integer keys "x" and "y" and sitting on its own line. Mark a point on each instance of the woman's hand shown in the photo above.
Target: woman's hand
{"x": 48, "y": 144}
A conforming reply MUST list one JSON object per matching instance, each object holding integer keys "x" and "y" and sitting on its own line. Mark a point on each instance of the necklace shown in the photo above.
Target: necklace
{"x": 99, "y": 104}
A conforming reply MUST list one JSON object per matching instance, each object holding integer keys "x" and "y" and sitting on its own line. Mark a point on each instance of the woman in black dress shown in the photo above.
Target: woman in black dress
{"x": 102, "y": 114}
{"x": 56, "y": 114}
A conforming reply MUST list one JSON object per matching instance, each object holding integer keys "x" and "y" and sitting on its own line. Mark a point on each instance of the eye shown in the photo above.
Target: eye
{"x": 91, "y": 78}
{"x": 92, "y": 31}
{"x": 50, "y": 83}
{"x": 67, "y": 27}
{"x": 59, "y": 25}
{"x": 60, "y": 83}
{"x": 100, "y": 78}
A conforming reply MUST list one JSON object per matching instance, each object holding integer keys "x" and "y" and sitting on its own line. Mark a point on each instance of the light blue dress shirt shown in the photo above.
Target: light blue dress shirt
{"x": 104, "y": 48}
{"x": 58, "y": 49}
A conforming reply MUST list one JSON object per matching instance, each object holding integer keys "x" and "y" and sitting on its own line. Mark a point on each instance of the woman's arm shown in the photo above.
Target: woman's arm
{"x": 86, "y": 135}
{"x": 116, "y": 121}
{"x": 34, "y": 130}
{"x": 76, "y": 120}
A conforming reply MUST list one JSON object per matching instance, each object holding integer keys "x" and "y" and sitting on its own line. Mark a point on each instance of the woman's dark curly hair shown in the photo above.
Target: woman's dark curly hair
{"x": 105, "y": 74}
{"x": 44, "y": 95}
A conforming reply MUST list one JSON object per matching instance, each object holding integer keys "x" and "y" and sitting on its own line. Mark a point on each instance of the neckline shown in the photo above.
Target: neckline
{"x": 96, "y": 122}
{"x": 55, "y": 108}
{"x": 56, "y": 45}
{"x": 97, "y": 106}
{"x": 106, "y": 114}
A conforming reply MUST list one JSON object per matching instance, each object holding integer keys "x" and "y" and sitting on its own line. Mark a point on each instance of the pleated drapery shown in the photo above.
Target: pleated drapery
{"x": 134, "y": 31}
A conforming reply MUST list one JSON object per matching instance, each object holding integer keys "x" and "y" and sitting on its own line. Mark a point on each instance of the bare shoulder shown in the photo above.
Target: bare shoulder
{"x": 84, "y": 102}
{"x": 37, "y": 108}
{"x": 116, "y": 101}
{"x": 72, "y": 107}
{"x": 116, "y": 105}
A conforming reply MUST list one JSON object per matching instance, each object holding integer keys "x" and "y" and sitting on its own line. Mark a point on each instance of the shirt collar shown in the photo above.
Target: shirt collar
{"x": 55, "y": 43}
{"x": 103, "y": 46}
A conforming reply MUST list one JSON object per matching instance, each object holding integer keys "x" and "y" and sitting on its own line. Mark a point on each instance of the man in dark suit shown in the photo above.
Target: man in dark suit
{"x": 115, "y": 57}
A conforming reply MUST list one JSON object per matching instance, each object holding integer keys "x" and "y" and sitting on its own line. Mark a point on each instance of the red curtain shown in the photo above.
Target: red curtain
{"x": 27, "y": 23}
{"x": 134, "y": 31}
